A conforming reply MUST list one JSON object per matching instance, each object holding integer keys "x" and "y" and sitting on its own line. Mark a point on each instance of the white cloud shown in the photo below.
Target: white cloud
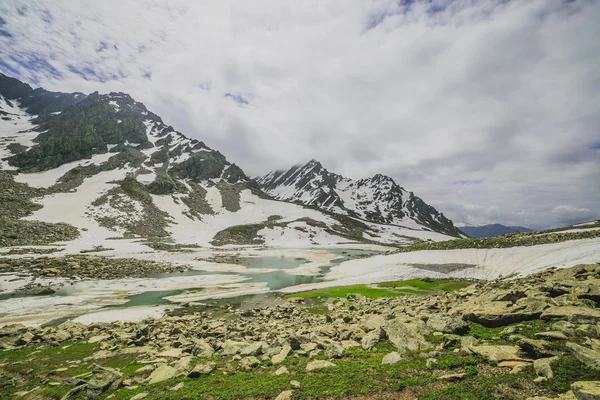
{"x": 503, "y": 92}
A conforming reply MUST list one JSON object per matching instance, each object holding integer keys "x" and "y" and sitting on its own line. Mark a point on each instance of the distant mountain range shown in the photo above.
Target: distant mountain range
{"x": 377, "y": 199}
{"x": 492, "y": 230}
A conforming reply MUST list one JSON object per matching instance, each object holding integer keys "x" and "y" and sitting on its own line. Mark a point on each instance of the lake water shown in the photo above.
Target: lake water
{"x": 274, "y": 280}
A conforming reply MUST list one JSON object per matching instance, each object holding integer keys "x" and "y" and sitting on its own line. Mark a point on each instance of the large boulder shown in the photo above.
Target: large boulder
{"x": 102, "y": 380}
{"x": 497, "y": 352}
{"x": 407, "y": 336}
{"x": 447, "y": 324}
{"x": 501, "y": 309}
{"x": 577, "y": 315}
{"x": 590, "y": 357}
{"x": 162, "y": 373}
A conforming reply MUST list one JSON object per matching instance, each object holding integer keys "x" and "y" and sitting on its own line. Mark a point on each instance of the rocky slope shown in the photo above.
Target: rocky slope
{"x": 506, "y": 339}
{"x": 109, "y": 168}
{"x": 378, "y": 199}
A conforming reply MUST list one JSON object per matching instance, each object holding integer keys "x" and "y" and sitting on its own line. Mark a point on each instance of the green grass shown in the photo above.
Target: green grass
{"x": 387, "y": 289}
{"x": 33, "y": 366}
{"x": 499, "y": 387}
{"x": 343, "y": 291}
{"x": 568, "y": 370}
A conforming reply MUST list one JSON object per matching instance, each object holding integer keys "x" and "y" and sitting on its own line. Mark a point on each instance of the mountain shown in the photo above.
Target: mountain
{"x": 101, "y": 170}
{"x": 492, "y": 230}
{"x": 378, "y": 199}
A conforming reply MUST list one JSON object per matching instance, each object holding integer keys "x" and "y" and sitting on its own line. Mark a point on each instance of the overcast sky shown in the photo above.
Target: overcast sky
{"x": 489, "y": 110}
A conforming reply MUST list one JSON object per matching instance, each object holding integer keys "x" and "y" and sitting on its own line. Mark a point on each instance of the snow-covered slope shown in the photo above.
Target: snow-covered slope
{"x": 378, "y": 199}
{"x": 113, "y": 169}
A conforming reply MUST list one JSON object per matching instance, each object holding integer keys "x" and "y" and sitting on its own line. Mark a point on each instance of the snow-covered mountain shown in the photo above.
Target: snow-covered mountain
{"x": 102, "y": 170}
{"x": 378, "y": 199}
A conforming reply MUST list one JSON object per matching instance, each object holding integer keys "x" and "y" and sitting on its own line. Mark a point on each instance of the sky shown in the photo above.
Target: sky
{"x": 487, "y": 109}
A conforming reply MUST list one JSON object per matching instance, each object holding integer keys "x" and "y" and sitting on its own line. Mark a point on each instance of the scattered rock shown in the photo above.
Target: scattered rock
{"x": 318, "y": 364}
{"x": 162, "y": 373}
{"x": 282, "y": 355}
{"x": 543, "y": 367}
{"x": 202, "y": 369}
{"x": 285, "y": 395}
{"x": 447, "y": 324}
{"x": 587, "y": 356}
{"x": 249, "y": 362}
{"x": 391, "y": 358}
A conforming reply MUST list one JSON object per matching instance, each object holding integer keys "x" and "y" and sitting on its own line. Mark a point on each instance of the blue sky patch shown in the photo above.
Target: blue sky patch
{"x": 238, "y": 98}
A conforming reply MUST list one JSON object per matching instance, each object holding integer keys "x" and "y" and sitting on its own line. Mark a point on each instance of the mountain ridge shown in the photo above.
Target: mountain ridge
{"x": 376, "y": 199}
{"x": 105, "y": 164}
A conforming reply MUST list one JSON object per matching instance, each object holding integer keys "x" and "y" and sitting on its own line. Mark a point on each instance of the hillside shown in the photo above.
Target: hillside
{"x": 378, "y": 199}
{"x": 88, "y": 169}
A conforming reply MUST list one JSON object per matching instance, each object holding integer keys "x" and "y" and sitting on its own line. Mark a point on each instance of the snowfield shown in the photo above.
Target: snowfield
{"x": 484, "y": 264}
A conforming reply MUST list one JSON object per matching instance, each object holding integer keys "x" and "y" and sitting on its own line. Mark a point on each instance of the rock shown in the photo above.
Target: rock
{"x": 587, "y": 356}
{"x": 294, "y": 343}
{"x": 372, "y": 338}
{"x": 202, "y": 349}
{"x": 202, "y": 369}
{"x": 145, "y": 370}
{"x": 586, "y": 390}
{"x": 102, "y": 380}
{"x": 406, "y": 336}
{"x": 26, "y": 338}
{"x": 177, "y": 387}
{"x": 488, "y": 311}
{"x": 140, "y": 396}
{"x": 466, "y": 342}
{"x": 295, "y": 384}
{"x": 231, "y": 347}
{"x": 318, "y": 364}
{"x": 335, "y": 350}
{"x": 349, "y": 344}
{"x": 183, "y": 365}
{"x": 497, "y": 353}
{"x": 543, "y": 367}
{"x": 282, "y": 355}
{"x": 573, "y": 314}
{"x": 169, "y": 353}
{"x": 162, "y": 373}
{"x": 329, "y": 331}
{"x": 447, "y": 324}
{"x": 98, "y": 338}
{"x": 453, "y": 377}
{"x": 552, "y": 335}
{"x": 537, "y": 348}
{"x": 255, "y": 349}
{"x": 391, "y": 358}
{"x": 431, "y": 362}
{"x": 286, "y": 395}
{"x": 249, "y": 362}
{"x": 308, "y": 347}
{"x": 282, "y": 371}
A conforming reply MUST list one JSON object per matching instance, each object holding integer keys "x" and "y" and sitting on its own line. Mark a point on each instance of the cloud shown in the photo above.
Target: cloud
{"x": 468, "y": 182}
{"x": 429, "y": 92}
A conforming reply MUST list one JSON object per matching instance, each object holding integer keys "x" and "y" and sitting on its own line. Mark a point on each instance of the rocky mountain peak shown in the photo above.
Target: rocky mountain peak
{"x": 377, "y": 199}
